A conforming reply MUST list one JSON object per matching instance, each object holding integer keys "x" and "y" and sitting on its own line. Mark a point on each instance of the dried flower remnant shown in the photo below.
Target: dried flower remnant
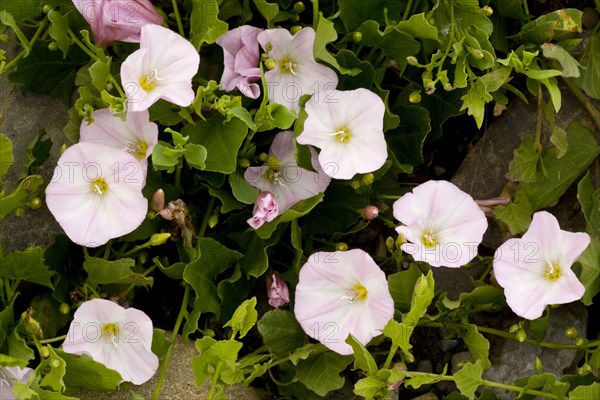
{"x": 265, "y": 210}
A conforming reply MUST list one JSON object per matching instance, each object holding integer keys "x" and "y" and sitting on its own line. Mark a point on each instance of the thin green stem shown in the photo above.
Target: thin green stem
{"x": 407, "y": 10}
{"x": 390, "y": 356}
{"x": 178, "y": 176}
{"x": 52, "y": 340}
{"x": 450, "y": 37}
{"x": 585, "y": 101}
{"x": 163, "y": 371}
{"x": 34, "y": 39}
{"x": 178, "y": 18}
{"x": 82, "y": 45}
{"x": 207, "y": 213}
{"x": 540, "y": 113}
{"x": 525, "y": 7}
{"x": 507, "y": 335}
{"x": 315, "y": 5}
{"x": 518, "y": 389}
{"x": 130, "y": 287}
{"x": 215, "y": 379}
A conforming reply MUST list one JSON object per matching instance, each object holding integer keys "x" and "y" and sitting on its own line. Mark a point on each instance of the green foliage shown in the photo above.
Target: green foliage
{"x": 281, "y": 332}
{"x": 589, "y": 78}
{"x": 468, "y": 378}
{"x": 102, "y": 272}
{"x": 26, "y": 265}
{"x": 6, "y": 155}
{"x": 244, "y": 318}
{"x": 552, "y": 26}
{"x": 321, "y": 372}
{"x": 363, "y": 360}
{"x": 205, "y": 25}
{"x": 83, "y": 371}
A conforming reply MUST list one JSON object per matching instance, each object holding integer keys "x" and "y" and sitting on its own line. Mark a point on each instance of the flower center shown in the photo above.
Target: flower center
{"x": 138, "y": 150}
{"x": 274, "y": 176}
{"x": 429, "y": 240}
{"x": 111, "y": 332}
{"x": 287, "y": 65}
{"x": 99, "y": 186}
{"x": 343, "y": 135}
{"x": 553, "y": 271}
{"x": 358, "y": 292}
{"x": 148, "y": 82}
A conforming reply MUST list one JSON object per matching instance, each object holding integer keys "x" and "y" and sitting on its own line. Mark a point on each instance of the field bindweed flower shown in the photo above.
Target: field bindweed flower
{"x": 283, "y": 178}
{"x": 96, "y": 193}
{"x": 265, "y": 210}
{"x": 348, "y": 130}
{"x": 240, "y": 53}
{"x": 342, "y": 293}
{"x": 11, "y": 375}
{"x": 535, "y": 270}
{"x": 443, "y": 224}
{"x": 277, "y": 290}
{"x": 136, "y": 135}
{"x": 117, "y": 337}
{"x": 162, "y": 68}
{"x": 294, "y": 71}
{"x": 121, "y": 20}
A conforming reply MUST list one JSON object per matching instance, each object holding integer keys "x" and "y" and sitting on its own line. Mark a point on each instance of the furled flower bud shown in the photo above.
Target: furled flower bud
{"x": 266, "y": 209}
{"x": 341, "y": 246}
{"x": 295, "y": 29}
{"x": 414, "y": 97}
{"x": 411, "y": 60}
{"x": 368, "y": 179}
{"x": 277, "y": 290}
{"x": 213, "y": 220}
{"x": 244, "y": 163}
{"x": 487, "y": 10}
{"x": 159, "y": 238}
{"x": 299, "y": 7}
{"x": 370, "y": 212}
{"x": 521, "y": 335}
{"x": 158, "y": 200}
{"x": 270, "y": 63}
{"x": 357, "y": 37}
{"x": 44, "y": 352}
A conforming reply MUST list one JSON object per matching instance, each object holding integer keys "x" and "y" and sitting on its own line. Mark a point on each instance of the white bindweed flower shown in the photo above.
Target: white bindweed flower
{"x": 348, "y": 128}
{"x": 96, "y": 193}
{"x": 162, "y": 68}
{"x": 283, "y": 178}
{"x": 342, "y": 293}
{"x": 536, "y": 270}
{"x": 136, "y": 135}
{"x": 443, "y": 224}
{"x": 11, "y": 375}
{"x": 294, "y": 70}
{"x": 117, "y": 337}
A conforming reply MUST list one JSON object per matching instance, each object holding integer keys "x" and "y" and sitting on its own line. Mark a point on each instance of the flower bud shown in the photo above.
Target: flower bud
{"x": 274, "y": 163}
{"x": 370, "y": 212}
{"x": 368, "y": 179}
{"x": 487, "y": 10}
{"x": 429, "y": 87}
{"x": 54, "y": 363}
{"x": 142, "y": 257}
{"x": 44, "y": 352}
{"x": 159, "y": 238}
{"x": 411, "y": 60}
{"x": 34, "y": 203}
{"x": 389, "y": 244}
{"x": 521, "y": 335}
{"x": 448, "y": 87}
{"x": 64, "y": 309}
{"x": 158, "y": 200}
{"x": 571, "y": 333}
{"x": 584, "y": 370}
{"x": 109, "y": 86}
{"x": 537, "y": 364}
{"x": 268, "y": 46}
{"x": 295, "y": 29}
{"x": 62, "y": 148}
{"x": 478, "y": 54}
{"x": 341, "y": 246}
{"x": 357, "y": 37}
{"x": 355, "y": 184}
{"x": 213, "y": 220}
{"x": 415, "y": 97}
{"x": 263, "y": 157}
{"x": 19, "y": 212}
{"x": 31, "y": 325}
{"x": 277, "y": 290}
{"x": 299, "y": 7}
{"x": 243, "y": 163}
{"x": 295, "y": 18}
{"x": 52, "y": 46}
{"x": 47, "y": 8}
{"x": 580, "y": 341}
